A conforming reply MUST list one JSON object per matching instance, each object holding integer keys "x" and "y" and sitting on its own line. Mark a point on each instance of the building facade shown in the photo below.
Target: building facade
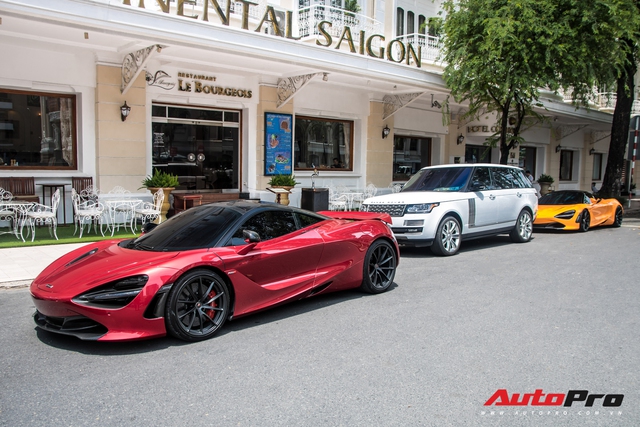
{"x": 226, "y": 94}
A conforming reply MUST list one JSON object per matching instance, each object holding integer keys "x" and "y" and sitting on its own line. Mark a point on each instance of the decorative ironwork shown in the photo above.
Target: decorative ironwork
{"x": 599, "y": 136}
{"x": 564, "y": 131}
{"x": 288, "y": 87}
{"x": 393, "y": 103}
{"x": 134, "y": 63}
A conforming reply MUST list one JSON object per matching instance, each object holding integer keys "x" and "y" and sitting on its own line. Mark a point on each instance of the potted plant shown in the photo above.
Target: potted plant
{"x": 161, "y": 180}
{"x": 545, "y": 182}
{"x": 283, "y": 181}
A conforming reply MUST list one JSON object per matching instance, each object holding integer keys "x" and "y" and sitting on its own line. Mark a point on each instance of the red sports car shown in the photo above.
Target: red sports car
{"x": 211, "y": 263}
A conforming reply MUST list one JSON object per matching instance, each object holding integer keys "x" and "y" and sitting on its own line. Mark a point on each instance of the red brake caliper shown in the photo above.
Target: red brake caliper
{"x": 210, "y": 313}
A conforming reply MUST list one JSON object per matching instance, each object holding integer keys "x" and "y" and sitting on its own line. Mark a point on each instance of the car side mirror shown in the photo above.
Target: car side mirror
{"x": 252, "y": 238}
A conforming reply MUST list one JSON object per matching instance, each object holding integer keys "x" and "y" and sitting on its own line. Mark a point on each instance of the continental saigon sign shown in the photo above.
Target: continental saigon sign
{"x": 394, "y": 51}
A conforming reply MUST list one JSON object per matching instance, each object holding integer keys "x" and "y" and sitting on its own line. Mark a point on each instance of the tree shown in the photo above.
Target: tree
{"x": 612, "y": 29}
{"x": 498, "y": 55}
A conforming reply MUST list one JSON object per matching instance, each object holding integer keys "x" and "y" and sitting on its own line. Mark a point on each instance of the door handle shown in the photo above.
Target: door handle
{"x": 492, "y": 197}
{"x": 519, "y": 194}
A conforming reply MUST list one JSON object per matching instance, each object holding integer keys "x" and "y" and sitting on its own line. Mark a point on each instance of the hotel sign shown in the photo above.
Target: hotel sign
{"x": 394, "y": 51}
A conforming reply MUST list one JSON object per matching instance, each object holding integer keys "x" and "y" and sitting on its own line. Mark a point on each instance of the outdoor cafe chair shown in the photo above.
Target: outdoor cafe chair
{"x": 148, "y": 212}
{"x": 40, "y": 214}
{"x": 88, "y": 213}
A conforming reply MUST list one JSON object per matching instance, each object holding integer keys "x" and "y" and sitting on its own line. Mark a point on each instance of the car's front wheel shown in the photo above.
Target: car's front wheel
{"x": 197, "y": 305}
{"x": 447, "y": 241}
{"x": 617, "y": 222}
{"x": 523, "y": 230}
{"x": 380, "y": 264}
{"x": 585, "y": 221}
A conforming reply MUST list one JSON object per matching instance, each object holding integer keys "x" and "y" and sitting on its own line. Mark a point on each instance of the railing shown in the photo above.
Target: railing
{"x": 430, "y": 45}
{"x": 309, "y": 17}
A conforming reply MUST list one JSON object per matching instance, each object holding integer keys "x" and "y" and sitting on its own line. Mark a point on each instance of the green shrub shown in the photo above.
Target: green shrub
{"x": 545, "y": 178}
{"x": 283, "y": 181}
{"x": 160, "y": 179}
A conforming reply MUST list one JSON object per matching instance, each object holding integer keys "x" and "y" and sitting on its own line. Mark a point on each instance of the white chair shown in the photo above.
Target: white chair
{"x": 395, "y": 187}
{"x": 148, "y": 212}
{"x": 337, "y": 201}
{"x": 370, "y": 191}
{"x": 41, "y": 214}
{"x": 86, "y": 212}
{"x": 6, "y": 212}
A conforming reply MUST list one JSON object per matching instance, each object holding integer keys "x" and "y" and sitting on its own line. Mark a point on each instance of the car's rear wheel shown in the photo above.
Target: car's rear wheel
{"x": 197, "y": 306}
{"x": 585, "y": 221}
{"x": 523, "y": 230}
{"x": 617, "y": 222}
{"x": 447, "y": 241}
{"x": 380, "y": 264}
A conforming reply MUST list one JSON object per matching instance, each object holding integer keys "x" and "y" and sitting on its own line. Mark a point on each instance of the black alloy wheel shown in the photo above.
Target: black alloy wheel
{"x": 380, "y": 264}
{"x": 523, "y": 230}
{"x": 617, "y": 222}
{"x": 585, "y": 221}
{"x": 197, "y": 306}
{"x": 447, "y": 241}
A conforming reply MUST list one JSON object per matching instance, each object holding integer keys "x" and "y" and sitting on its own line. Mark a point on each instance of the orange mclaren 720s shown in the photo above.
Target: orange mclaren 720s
{"x": 576, "y": 210}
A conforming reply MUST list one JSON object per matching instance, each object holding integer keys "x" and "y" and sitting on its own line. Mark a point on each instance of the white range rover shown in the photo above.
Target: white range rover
{"x": 440, "y": 206}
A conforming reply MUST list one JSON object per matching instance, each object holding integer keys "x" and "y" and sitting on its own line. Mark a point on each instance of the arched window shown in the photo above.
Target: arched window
{"x": 422, "y": 24}
{"x": 399, "y": 21}
{"x": 410, "y": 23}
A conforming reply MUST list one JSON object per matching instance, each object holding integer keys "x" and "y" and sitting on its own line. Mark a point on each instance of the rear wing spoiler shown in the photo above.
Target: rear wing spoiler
{"x": 358, "y": 216}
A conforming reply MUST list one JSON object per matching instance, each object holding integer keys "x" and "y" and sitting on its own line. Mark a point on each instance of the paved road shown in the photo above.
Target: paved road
{"x": 559, "y": 313}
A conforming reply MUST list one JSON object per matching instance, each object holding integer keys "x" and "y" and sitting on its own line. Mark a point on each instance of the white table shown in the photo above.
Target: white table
{"x": 121, "y": 212}
{"x": 19, "y": 209}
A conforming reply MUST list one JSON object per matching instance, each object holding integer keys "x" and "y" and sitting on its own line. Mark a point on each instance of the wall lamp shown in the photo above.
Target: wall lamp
{"x": 593, "y": 150}
{"x": 460, "y": 139}
{"x": 385, "y": 131}
{"x": 124, "y": 111}
{"x": 435, "y": 103}
{"x": 558, "y": 148}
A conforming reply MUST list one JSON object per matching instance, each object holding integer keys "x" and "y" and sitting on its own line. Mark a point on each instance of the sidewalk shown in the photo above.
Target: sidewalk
{"x": 21, "y": 265}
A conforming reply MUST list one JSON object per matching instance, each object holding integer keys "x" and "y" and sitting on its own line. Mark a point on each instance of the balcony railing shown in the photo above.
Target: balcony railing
{"x": 430, "y": 45}
{"x": 309, "y": 17}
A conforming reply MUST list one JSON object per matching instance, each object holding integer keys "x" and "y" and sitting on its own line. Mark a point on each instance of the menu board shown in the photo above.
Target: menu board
{"x": 278, "y": 148}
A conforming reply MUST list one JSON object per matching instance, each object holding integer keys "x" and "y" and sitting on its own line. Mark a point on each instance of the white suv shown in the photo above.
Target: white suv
{"x": 442, "y": 205}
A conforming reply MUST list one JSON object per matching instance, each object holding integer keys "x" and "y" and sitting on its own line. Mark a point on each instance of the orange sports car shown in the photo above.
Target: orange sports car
{"x": 576, "y": 210}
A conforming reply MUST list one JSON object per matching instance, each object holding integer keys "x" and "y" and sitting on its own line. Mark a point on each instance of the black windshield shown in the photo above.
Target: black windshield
{"x": 439, "y": 179}
{"x": 564, "y": 198}
{"x": 192, "y": 229}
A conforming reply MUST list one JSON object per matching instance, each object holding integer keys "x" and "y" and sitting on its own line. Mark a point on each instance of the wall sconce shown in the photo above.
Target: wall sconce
{"x": 460, "y": 139}
{"x": 593, "y": 150}
{"x": 435, "y": 103}
{"x": 385, "y": 131}
{"x": 124, "y": 111}
{"x": 558, "y": 148}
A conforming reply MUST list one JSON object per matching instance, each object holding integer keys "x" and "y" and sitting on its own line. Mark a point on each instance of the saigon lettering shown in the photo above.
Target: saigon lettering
{"x": 404, "y": 52}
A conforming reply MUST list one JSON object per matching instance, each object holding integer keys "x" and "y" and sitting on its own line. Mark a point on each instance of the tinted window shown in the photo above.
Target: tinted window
{"x": 438, "y": 179}
{"x": 503, "y": 178}
{"x": 193, "y": 229}
{"x": 268, "y": 225}
{"x": 563, "y": 198}
{"x": 481, "y": 180}
{"x": 307, "y": 220}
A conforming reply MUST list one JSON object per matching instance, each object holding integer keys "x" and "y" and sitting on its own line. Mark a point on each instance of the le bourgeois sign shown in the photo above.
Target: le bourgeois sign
{"x": 404, "y": 52}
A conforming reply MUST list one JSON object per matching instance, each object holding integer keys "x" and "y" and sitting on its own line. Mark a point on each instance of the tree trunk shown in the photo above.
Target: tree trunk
{"x": 619, "y": 131}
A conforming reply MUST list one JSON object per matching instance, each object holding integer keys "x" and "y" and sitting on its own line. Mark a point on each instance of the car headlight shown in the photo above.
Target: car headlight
{"x": 114, "y": 294}
{"x": 566, "y": 214}
{"x": 421, "y": 208}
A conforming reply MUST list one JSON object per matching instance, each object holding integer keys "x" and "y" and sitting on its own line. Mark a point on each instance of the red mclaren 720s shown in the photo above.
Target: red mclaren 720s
{"x": 209, "y": 264}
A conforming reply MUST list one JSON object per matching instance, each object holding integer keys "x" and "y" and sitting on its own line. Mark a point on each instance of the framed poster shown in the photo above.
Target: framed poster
{"x": 278, "y": 150}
